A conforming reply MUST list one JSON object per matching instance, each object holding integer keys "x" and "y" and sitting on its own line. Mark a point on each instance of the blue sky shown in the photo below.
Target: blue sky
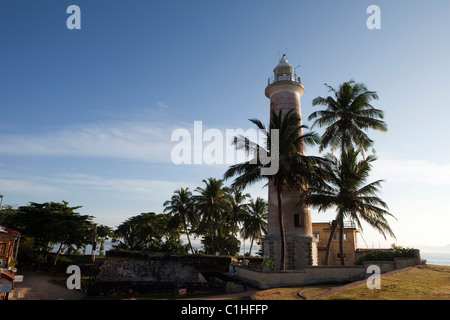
{"x": 87, "y": 115}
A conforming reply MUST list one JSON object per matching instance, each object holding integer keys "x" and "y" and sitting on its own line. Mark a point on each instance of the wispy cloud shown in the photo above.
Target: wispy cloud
{"x": 162, "y": 104}
{"x": 110, "y": 200}
{"x": 29, "y": 186}
{"x": 146, "y": 187}
{"x": 131, "y": 140}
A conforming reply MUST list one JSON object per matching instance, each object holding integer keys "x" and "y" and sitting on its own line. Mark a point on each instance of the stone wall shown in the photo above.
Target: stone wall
{"x": 316, "y": 274}
{"x": 124, "y": 277}
{"x": 270, "y": 279}
{"x": 201, "y": 262}
{"x": 398, "y": 263}
{"x": 300, "y": 252}
{"x": 148, "y": 271}
{"x": 327, "y": 274}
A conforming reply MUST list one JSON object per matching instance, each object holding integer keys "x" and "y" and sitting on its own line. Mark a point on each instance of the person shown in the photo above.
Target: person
{"x": 233, "y": 271}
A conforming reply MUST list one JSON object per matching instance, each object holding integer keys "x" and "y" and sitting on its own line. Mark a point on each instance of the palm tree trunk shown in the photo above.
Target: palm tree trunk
{"x": 281, "y": 223}
{"x": 341, "y": 240}
{"x": 217, "y": 236}
{"x": 187, "y": 234}
{"x": 213, "y": 240}
{"x": 327, "y": 254}
{"x": 251, "y": 245}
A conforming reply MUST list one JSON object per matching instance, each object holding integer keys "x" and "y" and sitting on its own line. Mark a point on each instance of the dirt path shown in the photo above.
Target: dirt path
{"x": 229, "y": 296}
{"x": 36, "y": 286}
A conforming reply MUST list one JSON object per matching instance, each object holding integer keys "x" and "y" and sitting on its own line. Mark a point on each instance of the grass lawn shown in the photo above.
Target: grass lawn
{"x": 430, "y": 282}
{"x": 291, "y": 293}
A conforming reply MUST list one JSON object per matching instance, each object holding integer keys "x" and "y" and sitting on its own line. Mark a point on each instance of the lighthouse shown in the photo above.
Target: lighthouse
{"x": 284, "y": 90}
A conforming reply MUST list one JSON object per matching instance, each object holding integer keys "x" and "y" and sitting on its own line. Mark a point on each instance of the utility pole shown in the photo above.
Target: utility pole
{"x": 94, "y": 247}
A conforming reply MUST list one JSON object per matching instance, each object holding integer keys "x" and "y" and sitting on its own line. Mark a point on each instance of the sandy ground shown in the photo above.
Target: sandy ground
{"x": 36, "y": 286}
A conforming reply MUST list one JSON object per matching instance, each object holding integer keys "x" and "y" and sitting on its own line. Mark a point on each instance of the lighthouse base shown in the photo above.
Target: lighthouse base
{"x": 300, "y": 252}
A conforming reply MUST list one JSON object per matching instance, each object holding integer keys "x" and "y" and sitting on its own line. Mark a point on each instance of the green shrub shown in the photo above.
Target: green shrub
{"x": 268, "y": 264}
{"x": 386, "y": 255}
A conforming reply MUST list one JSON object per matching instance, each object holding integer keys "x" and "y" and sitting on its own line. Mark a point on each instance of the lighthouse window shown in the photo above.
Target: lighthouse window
{"x": 284, "y": 71}
{"x": 297, "y": 220}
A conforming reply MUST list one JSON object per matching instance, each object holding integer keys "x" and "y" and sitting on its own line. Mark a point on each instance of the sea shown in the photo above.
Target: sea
{"x": 440, "y": 258}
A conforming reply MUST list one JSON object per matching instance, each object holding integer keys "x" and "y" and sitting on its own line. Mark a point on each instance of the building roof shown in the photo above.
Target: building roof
{"x": 5, "y": 274}
{"x": 8, "y": 230}
{"x": 8, "y": 233}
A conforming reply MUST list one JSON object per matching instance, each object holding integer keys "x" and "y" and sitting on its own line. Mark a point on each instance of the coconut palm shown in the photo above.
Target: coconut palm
{"x": 290, "y": 159}
{"x": 238, "y": 208}
{"x": 212, "y": 203}
{"x": 255, "y": 221}
{"x": 347, "y": 116}
{"x": 346, "y": 191}
{"x": 181, "y": 207}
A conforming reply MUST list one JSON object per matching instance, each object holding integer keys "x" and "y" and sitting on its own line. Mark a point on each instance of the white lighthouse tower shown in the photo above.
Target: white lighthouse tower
{"x": 284, "y": 90}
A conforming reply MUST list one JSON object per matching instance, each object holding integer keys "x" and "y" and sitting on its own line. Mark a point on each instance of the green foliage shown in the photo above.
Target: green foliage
{"x": 347, "y": 115}
{"x": 228, "y": 245}
{"x": 268, "y": 264}
{"x": 27, "y": 252}
{"x": 181, "y": 207}
{"x": 6, "y": 214}
{"x": 148, "y": 232}
{"x": 345, "y": 189}
{"x": 12, "y": 263}
{"x": 171, "y": 245}
{"x": 386, "y": 255}
{"x": 51, "y": 223}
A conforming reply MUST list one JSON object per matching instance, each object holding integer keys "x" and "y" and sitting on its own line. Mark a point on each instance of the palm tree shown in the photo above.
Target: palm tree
{"x": 290, "y": 159}
{"x": 238, "y": 208}
{"x": 255, "y": 222}
{"x": 347, "y": 115}
{"x": 346, "y": 191}
{"x": 181, "y": 207}
{"x": 212, "y": 202}
{"x": 137, "y": 232}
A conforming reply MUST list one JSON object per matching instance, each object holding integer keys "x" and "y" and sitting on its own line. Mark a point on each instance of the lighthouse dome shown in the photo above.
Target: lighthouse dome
{"x": 283, "y": 68}
{"x": 284, "y": 78}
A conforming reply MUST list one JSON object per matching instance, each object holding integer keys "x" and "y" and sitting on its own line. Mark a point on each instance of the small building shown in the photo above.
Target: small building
{"x": 8, "y": 239}
{"x": 321, "y": 233}
{"x": 9, "y": 243}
